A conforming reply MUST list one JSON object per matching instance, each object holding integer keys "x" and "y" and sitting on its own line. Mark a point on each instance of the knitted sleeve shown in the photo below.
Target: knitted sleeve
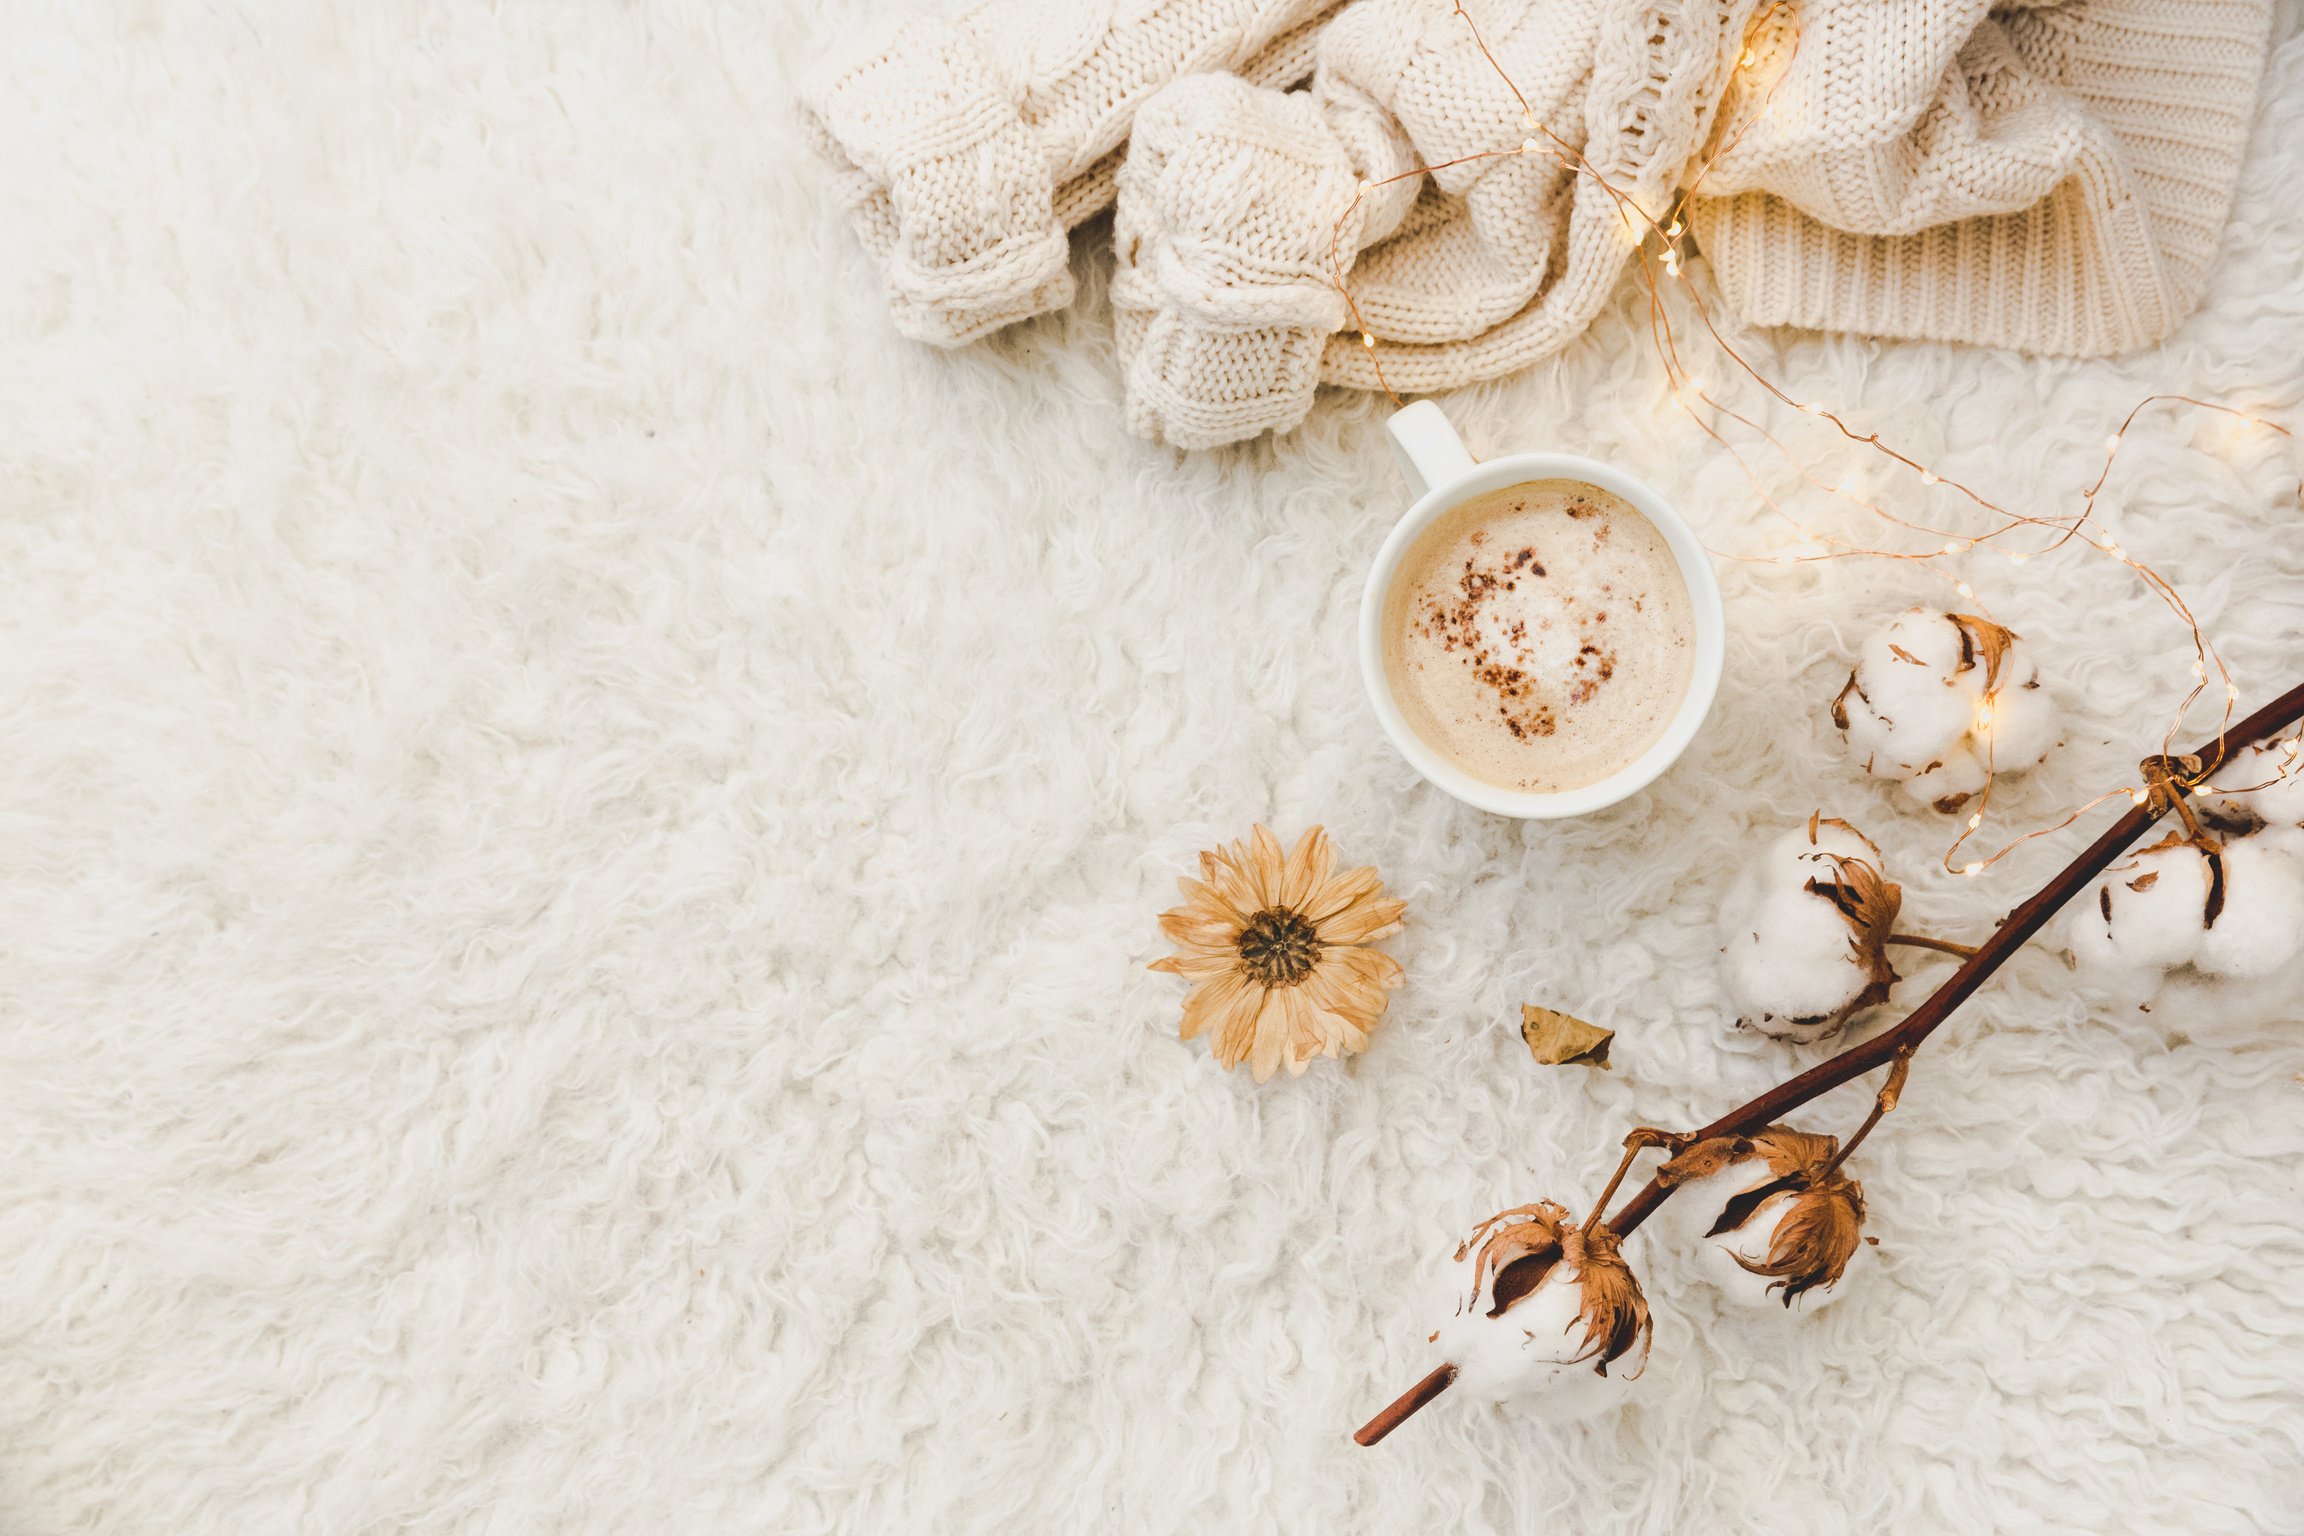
{"x": 2052, "y": 176}
{"x": 965, "y": 147}
{"x": 1237, "y": 215}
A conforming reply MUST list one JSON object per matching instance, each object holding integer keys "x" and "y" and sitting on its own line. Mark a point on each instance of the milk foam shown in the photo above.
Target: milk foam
{"x": 1540, "y": 637}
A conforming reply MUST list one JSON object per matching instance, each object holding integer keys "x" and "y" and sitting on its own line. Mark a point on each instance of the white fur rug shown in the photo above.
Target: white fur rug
{"x": 582, "y": 824}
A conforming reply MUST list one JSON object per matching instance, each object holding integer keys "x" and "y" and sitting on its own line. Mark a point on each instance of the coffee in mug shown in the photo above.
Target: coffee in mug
{"x": 1540, "y": 637}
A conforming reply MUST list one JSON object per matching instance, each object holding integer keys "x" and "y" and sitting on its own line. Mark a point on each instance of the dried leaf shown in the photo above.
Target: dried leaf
{"x": 2214, "y": 907}
{"x": 1560, "y": 1039}
{"x": 1905, "y": 655}
{"x": 2142, "y": 882}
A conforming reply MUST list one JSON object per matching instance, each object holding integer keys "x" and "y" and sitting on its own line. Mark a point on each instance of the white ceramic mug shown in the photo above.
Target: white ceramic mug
{"x": 1443, "y": 475}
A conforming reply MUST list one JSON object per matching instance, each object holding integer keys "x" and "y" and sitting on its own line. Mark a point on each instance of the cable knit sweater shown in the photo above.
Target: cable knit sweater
{"x": 2052, "y": 176}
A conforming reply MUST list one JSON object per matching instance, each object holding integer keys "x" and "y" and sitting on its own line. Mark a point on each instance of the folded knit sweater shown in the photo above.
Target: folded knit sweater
{"x": 2051, "y": 176}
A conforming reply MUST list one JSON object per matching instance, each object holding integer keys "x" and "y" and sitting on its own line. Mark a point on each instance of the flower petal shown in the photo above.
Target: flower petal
{"x": 1339, "y": 892}
{"x": 1354, "y": 1003}
{"x": 1237, "y": 1031}
{"x": 1197, "y": 964}
{"x": 1366, "y": 965}
{"x": 1195, "y": 931}
{"x": 1371, "y": 919}
{"x": 1307, "y": 869}
{"x": 1268, "y": 866}
{"x": 1230, "y": 877}
{"x": 1206, "y": 899}
{"x": 1211, "y": 1002}
{"x": 1271, "y": 1033}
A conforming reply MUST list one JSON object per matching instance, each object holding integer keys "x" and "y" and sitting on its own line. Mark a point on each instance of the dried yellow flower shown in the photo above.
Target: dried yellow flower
{"x": 1277, "y": 949}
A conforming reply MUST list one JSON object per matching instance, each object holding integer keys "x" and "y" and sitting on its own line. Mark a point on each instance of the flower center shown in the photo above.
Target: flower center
{"x": 1278, "y": 947}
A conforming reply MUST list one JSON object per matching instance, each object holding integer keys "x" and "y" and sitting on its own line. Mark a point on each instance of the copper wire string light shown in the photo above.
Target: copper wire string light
{"x": 1658, "y": 258}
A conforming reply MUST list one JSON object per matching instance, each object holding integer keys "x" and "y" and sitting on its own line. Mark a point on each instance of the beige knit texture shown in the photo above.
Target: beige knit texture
{"x": 2048, "y": 176}
{"x": 1477, "y": 270}
{"x": 2053, "y": 177}
{"x": 966, "y": 147}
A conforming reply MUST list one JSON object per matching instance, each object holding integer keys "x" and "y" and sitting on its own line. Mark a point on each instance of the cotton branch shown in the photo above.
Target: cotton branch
{"x": 1898, "y": 1045}
{"x": 2015, "y": 930}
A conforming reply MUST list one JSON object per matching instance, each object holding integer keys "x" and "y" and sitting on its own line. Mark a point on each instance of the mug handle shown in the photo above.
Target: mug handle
{"x": 1426, "y": 447}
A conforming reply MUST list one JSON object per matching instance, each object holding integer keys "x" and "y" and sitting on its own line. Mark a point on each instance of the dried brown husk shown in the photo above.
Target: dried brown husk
{"x": 1983, "y": 641}
{"x": 1525, "y": 1240}
{"x": 1615, "y": 1312}
{"x": 2166, "y": 778}
{"x": 1868, "y": 902}
{"x": 1822, "y": 1227}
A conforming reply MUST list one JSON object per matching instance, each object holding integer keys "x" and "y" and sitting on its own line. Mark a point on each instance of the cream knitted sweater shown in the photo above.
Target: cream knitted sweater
{"x": 2052, "y": 176}
{"x": 966, "y": 147}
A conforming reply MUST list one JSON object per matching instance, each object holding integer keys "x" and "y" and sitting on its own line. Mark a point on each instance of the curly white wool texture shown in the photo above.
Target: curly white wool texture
{"x": 583, "y": 822}
{"x": 1924, "y": 707}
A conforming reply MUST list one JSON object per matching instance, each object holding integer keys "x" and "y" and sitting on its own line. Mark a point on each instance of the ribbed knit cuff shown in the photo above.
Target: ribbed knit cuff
{"x": 2111, "y": 261}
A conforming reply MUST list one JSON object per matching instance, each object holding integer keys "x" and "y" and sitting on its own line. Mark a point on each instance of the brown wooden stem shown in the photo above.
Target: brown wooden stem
{"x": 2015, "y": 930}
{"x": 1405, "y": 1404}
{"x": 1941, "y": 946}
{"x": 1882, "y": 1103}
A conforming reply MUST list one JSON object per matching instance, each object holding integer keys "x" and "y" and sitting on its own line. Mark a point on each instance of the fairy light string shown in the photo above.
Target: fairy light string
{"x": 1774, "y": 33}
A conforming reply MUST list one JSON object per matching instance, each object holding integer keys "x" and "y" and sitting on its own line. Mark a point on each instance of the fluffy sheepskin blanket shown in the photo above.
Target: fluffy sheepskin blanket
{"x": 581, "y": 829}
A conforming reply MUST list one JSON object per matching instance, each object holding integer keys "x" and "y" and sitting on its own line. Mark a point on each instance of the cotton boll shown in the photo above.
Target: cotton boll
{"x": 1542, "y": 1315}
{"x": 2143, "y": 914}
{"x": 1906, "y": 705}
{"x": 2260, "y": 926}
{"x": 1793, "y": 958}
{"x": 1803, "y": 932}
{"x": 1953, "y": 775}
{"x": 1779, "y": 1221}
{"x": 2279, "y": 802}
{"x": 1941, "y": 702}
{"x": 2023, "y": 724}
{"x": 1528, "y": 1356}
{"x": 1753, "y": 1243}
